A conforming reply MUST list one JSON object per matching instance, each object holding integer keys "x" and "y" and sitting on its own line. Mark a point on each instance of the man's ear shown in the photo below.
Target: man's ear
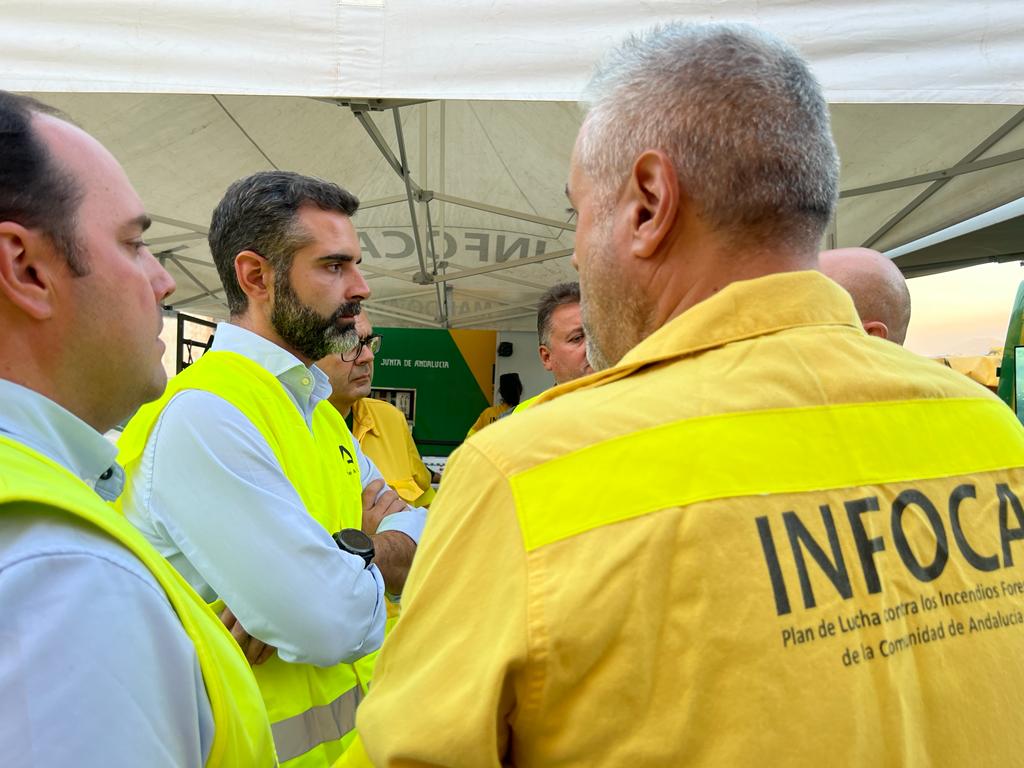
{"x": 545, "y": 357}
{"x": 255, "y": 275}
{"x": 652, "y": 200}
{"x": 877, "y": 328}
{"x": 29, "y": 270}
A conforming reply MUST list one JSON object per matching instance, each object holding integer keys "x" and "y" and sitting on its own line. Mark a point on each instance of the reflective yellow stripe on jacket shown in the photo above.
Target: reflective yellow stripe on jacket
{"x": 727, "y": 456}
{"x": 312, "y": 709}
{"x": 241, "y": 730}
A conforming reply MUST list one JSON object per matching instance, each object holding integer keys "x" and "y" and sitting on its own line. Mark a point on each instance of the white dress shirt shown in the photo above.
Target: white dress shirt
{"x": 212, "y": 498}
{"x": 95, "y": 668}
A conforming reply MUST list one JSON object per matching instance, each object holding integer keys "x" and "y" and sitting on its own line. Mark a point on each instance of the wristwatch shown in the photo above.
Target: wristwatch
{"x": 355, "y": 542}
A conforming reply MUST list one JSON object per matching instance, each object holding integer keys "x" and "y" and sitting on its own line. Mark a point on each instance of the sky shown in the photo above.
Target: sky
{"x": 962, "y": 312}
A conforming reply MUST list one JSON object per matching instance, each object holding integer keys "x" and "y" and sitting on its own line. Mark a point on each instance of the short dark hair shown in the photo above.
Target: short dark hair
{"x": 510, "y": 388}
{"x": 35, "y": 191}
{"x": 260, "y": 213}
{"x": 553, "y": 298}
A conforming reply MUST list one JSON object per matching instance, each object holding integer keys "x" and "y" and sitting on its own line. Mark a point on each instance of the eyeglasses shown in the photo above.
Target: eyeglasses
{"x": 372, "y": 341}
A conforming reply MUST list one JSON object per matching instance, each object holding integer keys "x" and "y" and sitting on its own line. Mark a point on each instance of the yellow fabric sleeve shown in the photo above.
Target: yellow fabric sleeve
{"x": 465, "y": 601}
{"x": 420, "y": 474}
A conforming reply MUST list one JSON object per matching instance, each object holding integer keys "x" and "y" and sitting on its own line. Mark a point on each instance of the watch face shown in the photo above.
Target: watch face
{"x": 353, "y": 540}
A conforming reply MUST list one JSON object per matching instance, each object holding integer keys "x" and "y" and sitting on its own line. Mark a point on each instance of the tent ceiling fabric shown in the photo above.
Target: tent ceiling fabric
{"x": 995, "y": 236}
{"x": 882, "y": 51}
{"x": 183, "y": 94}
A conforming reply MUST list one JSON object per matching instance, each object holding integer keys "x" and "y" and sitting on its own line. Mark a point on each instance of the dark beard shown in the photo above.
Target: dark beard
{"x": 307, "y": 331}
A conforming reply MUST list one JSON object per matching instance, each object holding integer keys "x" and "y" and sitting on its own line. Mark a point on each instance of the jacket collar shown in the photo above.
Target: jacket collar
{"x": 742, "y": 310}
{"x": 363, "y": 422}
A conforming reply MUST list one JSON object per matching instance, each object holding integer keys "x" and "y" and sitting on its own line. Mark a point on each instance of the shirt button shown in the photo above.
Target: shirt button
{"x": 108, "y": 474}
{"x": 305, "y": 381}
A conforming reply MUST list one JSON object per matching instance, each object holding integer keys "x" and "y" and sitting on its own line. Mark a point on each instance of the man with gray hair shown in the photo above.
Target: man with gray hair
{"x": 724, "y": 548}
{"x": 877, "y": 287}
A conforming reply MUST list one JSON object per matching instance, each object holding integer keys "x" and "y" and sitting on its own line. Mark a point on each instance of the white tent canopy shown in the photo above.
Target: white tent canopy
{"x": 190, "y": 96}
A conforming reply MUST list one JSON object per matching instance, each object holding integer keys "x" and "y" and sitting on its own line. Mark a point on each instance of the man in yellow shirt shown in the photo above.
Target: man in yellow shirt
{"x": 757, "y": 535}
{"x": 379, "y": 427}
{"x": 562, "y": 348}
{"x": 563, "y": 342}
{"x": 510, "y": 390}
{"x": 877, "y": 287}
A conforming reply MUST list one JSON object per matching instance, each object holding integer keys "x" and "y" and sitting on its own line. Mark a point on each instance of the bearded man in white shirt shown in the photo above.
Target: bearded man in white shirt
{"x": 242, "y": 472}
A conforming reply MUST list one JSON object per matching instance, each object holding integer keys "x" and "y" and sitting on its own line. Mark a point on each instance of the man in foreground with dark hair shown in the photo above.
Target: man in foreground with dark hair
{"x": 242, "y": 472}
{"x": 107, "y": 658}
{"x": 756, "y": 535}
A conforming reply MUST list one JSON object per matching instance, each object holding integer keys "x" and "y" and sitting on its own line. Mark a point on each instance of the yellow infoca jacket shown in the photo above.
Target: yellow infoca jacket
{"x": 312, "y": 709}
{"x": 763, "y": 538}
{"x": 241, "y": 737}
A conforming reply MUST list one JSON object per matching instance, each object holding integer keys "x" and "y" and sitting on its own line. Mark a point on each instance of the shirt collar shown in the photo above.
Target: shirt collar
{"x": 44, "y": 426}
{"x": 307, "y": 386}
{"x": 363, "y": 422}
{"x": 742, "y": 310}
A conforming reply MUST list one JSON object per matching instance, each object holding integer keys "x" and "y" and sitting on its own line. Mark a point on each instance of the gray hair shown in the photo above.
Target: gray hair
{"x": 737, "y": 111}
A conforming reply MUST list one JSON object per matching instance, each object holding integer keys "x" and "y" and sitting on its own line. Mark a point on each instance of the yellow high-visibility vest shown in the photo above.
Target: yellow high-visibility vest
{"x": 312, "y": 709}
{"x": 241, "y": 730}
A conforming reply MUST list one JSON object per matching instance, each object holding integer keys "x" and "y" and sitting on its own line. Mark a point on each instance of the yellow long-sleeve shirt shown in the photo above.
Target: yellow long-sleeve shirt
{"x": 763, "y": 538}
{"x": 384, "y": 436}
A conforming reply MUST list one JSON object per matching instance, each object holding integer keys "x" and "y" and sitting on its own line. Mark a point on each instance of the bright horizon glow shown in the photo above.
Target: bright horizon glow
{"x": 964, "y": 311}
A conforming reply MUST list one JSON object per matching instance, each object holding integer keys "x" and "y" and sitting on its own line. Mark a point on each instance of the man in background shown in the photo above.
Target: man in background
{"x": 380, "y": 429}
{"x": 563, "y": 347}
{"x": 563, "y": 342}
{"x": 510, "y": 392}
{"x": 877, "y": 287}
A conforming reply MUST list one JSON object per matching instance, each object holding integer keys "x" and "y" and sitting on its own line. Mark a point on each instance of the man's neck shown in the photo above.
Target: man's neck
{"x": 343, "y": 407}
{"x": 256, "y": 324}
{"x": 722, "y": 269}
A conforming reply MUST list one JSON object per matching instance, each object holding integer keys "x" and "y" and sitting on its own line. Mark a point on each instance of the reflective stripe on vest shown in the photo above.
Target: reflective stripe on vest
{"x": 760, "y": 452}
{"x": 299, "y": 734}
{"x": 526, "y": 404}
{"x": 241, "y": 737}
{"x": 321, "y": 466}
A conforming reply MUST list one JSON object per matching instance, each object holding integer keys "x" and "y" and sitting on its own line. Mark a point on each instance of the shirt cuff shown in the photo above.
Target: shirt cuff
{"x": 410, "y": 522}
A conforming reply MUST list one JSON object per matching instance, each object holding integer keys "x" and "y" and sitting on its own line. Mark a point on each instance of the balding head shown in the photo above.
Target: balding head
{"x": 877, "y": 286}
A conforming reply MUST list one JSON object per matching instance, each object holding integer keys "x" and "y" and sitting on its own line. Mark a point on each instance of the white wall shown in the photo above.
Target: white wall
{"x": 524, "y": 361}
